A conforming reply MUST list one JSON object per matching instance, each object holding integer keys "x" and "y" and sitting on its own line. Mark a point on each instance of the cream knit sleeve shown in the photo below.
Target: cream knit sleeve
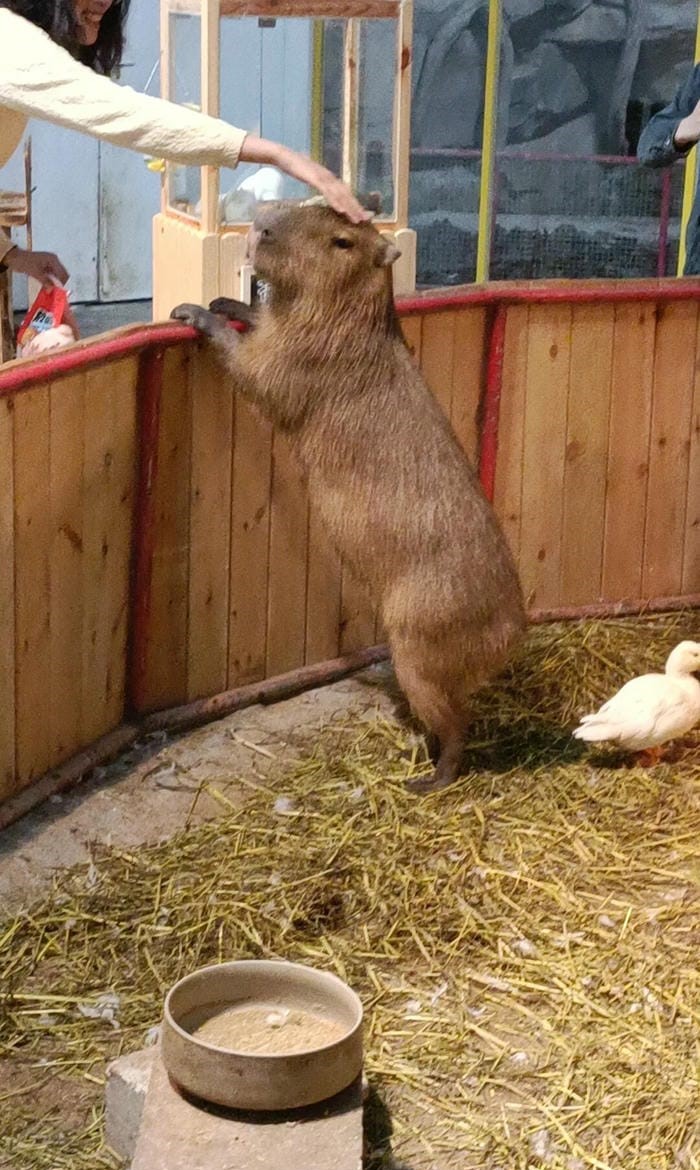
{"x": 41, "y": 80}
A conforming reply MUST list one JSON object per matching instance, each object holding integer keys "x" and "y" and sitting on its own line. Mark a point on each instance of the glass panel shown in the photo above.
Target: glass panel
{"x": 292, "y": 93}
{"x": 184, "y": 183}
{"x": 282, "y": 78}
{"x": 448, "y": 72}
{"x": 569, "y": 198}
{"x": 375, "y": 123}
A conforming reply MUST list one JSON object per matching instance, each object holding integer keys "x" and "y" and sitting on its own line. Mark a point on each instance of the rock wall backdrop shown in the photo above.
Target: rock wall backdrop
{"x": 578, "y": 80}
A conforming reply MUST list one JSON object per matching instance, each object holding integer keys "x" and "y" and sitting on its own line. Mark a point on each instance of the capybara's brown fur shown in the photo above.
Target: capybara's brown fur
{"x": 326, "y": 363}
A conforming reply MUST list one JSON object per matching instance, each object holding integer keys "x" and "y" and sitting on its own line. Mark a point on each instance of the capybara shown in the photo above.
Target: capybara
{"x": 325, "y": 361}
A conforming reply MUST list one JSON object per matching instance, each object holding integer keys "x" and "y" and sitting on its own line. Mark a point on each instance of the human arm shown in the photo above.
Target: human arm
{"x": 41, "y": 80}
{"x": 671, "y": 132}
{"x": 41, "y": 266}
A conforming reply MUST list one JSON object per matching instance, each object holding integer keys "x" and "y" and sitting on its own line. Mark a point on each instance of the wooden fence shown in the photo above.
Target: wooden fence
{"x": 157, "y": 544}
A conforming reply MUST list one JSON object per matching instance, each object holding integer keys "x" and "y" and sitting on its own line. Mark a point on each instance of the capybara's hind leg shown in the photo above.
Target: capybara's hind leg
{"x": 447, "y": 768}
{"x": 445, "y": 721}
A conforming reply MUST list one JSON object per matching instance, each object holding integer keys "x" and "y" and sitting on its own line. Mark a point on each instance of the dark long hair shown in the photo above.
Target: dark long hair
{"x": 57, "y": 18}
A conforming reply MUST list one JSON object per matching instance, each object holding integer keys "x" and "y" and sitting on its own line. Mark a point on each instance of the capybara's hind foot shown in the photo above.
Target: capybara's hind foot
{"x": 421, "y": 748}
{"x": 207, "y": 323}
{"x": 446, "y": 771}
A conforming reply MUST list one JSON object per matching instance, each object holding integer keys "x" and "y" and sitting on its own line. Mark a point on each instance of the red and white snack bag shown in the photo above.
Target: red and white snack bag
{"x": 49, "y": 323}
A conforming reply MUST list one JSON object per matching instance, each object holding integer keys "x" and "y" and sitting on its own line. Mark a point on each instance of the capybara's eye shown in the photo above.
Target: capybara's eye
{"x": 343, "y": 242}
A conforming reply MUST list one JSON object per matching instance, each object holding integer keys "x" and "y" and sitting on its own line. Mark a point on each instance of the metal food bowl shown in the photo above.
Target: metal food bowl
{"x": 271, "y": 993}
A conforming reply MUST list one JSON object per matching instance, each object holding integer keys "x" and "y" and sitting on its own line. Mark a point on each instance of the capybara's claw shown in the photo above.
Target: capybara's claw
{"x": 232, "y": 310}
{"x": 199, "y": 317}
{"x": 430, "y": 783}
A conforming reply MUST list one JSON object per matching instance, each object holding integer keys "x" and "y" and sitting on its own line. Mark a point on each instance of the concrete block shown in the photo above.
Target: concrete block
{"x": 125, "y": 1095}
{"x": 179, "y": 1134}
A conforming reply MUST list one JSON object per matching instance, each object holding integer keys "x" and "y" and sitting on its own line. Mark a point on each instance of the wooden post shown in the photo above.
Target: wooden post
{"x": 209, "y": 49}
{"x": 350, "y": 102}
{"x": 402, "y": 115}
{"x": 165, "y": 90}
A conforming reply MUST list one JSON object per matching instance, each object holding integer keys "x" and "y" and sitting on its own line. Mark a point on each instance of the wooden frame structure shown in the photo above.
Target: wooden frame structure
{"x": 196, "y": 259}
{"x": 161, "y": 565}
{"x": 15, "y": 211}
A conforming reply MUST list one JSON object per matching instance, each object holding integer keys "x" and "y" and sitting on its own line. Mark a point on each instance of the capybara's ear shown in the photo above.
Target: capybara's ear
{"x": 386, "y": 254}
{"x": 371, "y": 201}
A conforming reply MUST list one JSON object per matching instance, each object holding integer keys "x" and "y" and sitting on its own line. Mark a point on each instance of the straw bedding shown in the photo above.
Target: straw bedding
{"x": 526, "y": 944}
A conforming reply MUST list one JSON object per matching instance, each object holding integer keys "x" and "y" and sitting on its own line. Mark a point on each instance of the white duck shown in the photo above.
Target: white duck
{"x": 650, "y": 709}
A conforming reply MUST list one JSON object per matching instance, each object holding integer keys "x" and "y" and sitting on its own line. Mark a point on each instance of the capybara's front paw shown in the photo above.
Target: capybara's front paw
{"x": 232, "y": 310}
{"x": 199, "y": 317}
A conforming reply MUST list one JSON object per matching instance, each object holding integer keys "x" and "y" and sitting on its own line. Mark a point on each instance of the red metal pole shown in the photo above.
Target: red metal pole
{"x": 488, "y": 439}
{"x": 150, "y": 386}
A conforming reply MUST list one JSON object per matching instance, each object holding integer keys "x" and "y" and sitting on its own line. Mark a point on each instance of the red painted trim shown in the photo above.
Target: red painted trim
{"x": 488, "y": 438}
{"x": 149, "y": 394}
{"x": 21, "y": 375}
{"x": 542, "y": 293}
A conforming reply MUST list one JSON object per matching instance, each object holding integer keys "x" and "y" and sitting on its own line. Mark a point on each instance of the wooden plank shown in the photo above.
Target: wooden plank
{"x": 66, "y": 479}
{"x": 322, "y": 594}
{"x": 436, "y": 358}
{"x": 690, "y": 582}
{"x": 333, "y": 9}
{"x": 165, "y": 678}
{"x": 110, "y": 463}
{"x": 412, "y": 329}
{"x": 210, "y": 528}
{"x": 32, "y": 544}
{"x": 250, "y": 530}
{"x": 667, "y": 489}
{"x": 286, "y": 620}
{"x": 586, "y": 453}
{"x": 358, "y": 621}
{"x": 7, "y": 602}
{"x": 468, "y": 373}
{"x": 628, "y": 450}
{"x": 511, "y": 430}
{"x": 548, "y": 356}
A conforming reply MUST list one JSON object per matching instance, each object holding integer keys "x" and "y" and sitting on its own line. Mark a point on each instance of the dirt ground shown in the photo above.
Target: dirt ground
{"x": 166, "y": 783}
{"x": 144, "y": 796}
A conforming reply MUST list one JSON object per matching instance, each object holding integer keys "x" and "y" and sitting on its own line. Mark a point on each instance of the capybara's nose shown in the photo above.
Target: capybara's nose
{"x": 267, "y": 217}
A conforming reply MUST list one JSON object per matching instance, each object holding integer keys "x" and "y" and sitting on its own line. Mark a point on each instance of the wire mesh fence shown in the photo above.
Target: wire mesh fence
{"x": 554, "y": 215}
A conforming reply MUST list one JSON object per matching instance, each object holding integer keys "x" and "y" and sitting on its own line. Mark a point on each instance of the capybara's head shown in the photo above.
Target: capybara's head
{"x": 314, "y": 249}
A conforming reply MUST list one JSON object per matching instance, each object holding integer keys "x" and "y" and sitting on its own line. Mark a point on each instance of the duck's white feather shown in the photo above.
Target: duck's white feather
{"x": 651, "y": 709}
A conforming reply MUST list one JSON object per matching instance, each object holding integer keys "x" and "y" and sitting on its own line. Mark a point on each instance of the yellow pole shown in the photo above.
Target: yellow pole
{"x": 488, "y": 142}
{"x": 316, "y": 150}
{"x": 689, "y": 180}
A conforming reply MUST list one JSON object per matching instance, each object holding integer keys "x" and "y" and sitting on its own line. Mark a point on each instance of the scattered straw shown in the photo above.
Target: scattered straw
{"x": 526, "y": 943}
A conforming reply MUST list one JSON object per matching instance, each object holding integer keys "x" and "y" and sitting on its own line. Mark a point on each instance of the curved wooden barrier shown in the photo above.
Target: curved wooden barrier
{"x": 157, "y": 547}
